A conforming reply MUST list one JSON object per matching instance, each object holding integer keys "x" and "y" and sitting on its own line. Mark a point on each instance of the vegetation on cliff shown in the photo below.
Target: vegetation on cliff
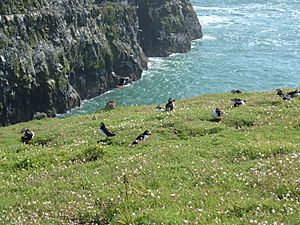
{"x": 19, "y": 6}
{"x": 55, "y": 53}
{"x": 56, "y": 56}
{"x": 192, "y": 170}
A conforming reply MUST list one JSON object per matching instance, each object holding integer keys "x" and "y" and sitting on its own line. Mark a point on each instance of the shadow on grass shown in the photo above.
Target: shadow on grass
{"x": 104, "y": 214}
{"x": 215, "y": 120}
{"x": 249, "y": 153}
{"x": 189, "y": 132}
{"x": 239, "y": 123}
{"x": 89, "y": 154}
{"x": 41, "y": 140}
{"x": 24, "y": 164}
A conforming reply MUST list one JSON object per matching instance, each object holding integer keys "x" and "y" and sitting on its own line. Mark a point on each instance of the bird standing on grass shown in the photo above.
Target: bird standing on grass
{"x": 238, "y": 102}
{"x": 280, "y": 93}
{"x": 217, "y": 114}
{"x": 236, "y": 91}
{"x": 170, "y": 104}
{"x": 103, "y": 131}
{"x": 142, "y": 137}
{"x": 288, "y": 96}
{"x": 27, "y": 135}
{"x": 294, "y": 94}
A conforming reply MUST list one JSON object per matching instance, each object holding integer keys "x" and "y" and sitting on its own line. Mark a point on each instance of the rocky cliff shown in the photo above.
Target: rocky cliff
{"x": 167, "y": 26}
{"x": 55, "y": 53}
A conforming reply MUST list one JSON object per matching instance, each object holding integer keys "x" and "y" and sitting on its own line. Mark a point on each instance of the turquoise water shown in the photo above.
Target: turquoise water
{"x": 248, "y": 45}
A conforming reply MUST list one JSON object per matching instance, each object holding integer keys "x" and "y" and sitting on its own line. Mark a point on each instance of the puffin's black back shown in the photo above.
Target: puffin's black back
{"x": 27, "y": 136}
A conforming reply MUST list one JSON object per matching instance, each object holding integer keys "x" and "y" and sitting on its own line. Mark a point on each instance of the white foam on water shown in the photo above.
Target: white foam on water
{"x": 212, "y": 8}
{"x": 158, "y": 62}
{"x": 174, "y": 54}
{"x": 153, "y": 61}
{"x": 194, "y": 42}
{"x": 213, "y": 19}
{"x": 208, "y": 38}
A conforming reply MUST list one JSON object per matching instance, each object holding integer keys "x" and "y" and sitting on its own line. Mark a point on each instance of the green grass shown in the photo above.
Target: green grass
{"x": 192, "y": 170}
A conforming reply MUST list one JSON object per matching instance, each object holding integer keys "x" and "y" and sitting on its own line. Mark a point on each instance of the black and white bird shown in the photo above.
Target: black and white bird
{"x": 142, "y": 137}
{"x": 158, "y": 108}
{"x": 124, "y": 81}
{"x": 236, "y": 91}
{"x": 217, "y": 114}
{"x": 170, "y": 104}
{"x": 103, "y": 131}
{"x": 238, "y": 102}
{"x": 288, "y": 96}
{"x": 280, "y": 93}
{"x": 293, "y": 94}
{"x": 27, "y": 135}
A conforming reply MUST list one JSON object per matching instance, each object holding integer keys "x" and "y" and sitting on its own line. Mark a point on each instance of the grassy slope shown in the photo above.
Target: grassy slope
{"x": 242, "y": 170}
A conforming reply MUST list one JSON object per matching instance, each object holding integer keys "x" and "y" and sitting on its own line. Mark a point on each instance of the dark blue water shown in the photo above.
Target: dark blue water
{"x": 248, "y": 45}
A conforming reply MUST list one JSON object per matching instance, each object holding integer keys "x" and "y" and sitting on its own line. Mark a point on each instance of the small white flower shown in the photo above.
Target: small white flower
{"x": 273, "y": 210}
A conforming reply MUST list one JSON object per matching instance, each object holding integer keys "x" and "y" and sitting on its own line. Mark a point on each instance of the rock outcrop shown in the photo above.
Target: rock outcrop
{"x": 167, "y": 26}
{"x": 55, "y": 53}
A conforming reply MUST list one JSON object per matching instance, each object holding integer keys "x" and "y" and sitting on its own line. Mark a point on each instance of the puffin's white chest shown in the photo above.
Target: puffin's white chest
{"x": 102, "y": 133}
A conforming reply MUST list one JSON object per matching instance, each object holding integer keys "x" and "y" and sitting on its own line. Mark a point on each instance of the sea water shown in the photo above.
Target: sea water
{"x": 251, "y": 45}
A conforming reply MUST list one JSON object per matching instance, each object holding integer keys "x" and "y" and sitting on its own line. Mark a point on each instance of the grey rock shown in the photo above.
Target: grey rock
{"x": 111, "y": 105}
{"x": 39, "y": 116}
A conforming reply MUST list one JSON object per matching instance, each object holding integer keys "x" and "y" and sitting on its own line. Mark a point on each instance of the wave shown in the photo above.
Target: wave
{"x": 206, "y": 20}
{"x": 210, "y": 8}
{"x": 174, "y": 54}
{"x": 208, "y": 38}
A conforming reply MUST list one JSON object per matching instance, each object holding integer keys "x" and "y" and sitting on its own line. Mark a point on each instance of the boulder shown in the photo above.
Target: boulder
{"x": 111, "y": 105}
{"x": 39, "y": 116}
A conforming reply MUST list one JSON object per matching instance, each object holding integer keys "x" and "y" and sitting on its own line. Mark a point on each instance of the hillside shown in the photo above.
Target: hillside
{"x": 192, "y": 170}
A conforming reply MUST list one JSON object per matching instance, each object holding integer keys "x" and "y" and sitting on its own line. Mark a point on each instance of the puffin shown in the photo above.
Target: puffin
{"x": 27, "y": 135}
{"x": 142, "y": 137}
{"x": 170, "y": 104}
{"x": 217, "y": 114}
{"x": 288, "y": 96}
{"x": 237, "y": 91}
{"x": 238, "y": 102}
{"x": 103, "y": 131}
{"x": 280, "y": 93}
{"x": 293, "y": 94}
{"x": 158, "y": 108}
{"x": 124, "y": 81}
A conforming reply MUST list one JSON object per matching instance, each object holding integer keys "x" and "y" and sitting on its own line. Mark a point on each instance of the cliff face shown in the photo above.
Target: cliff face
{"x": 167, "y": 26}
{"x": 55, "y": 53}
